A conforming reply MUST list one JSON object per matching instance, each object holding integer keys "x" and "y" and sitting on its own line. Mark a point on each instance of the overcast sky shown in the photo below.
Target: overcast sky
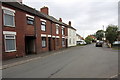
{"x": 87, "y": 16}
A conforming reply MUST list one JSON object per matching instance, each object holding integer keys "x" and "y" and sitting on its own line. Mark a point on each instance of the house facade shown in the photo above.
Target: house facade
{"x": 78, "y": 37}
{"x": 71, "y": 35}
{"x": 28, "y": 31}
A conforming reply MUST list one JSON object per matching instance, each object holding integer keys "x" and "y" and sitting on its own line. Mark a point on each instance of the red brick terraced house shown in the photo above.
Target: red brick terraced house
{"x": 28, "y": 31}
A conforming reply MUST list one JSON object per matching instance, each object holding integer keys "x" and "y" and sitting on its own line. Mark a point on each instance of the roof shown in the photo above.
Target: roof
{"x": 80, "y": 36}
{"x": 25, "y": 8}
{"x": 77, "y": 34}
{"x": 71, "y": 27}
{"x": 33, "y": 12}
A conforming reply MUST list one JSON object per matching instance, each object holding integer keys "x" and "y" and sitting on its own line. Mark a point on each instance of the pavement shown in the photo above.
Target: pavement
{"x": 28, "y": 58}
{"x": 76, "y": 62}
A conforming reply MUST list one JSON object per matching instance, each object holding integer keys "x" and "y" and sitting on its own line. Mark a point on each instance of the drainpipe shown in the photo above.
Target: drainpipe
{"x": 35, "y": 31}
{"x": 1, "y": 34}
{"x": 51, "y": 35}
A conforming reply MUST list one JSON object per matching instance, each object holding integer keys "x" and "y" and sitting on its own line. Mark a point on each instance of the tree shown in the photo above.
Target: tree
{"x": 99, "y": 34}
{"x": 88, "y": 40}
{"x": 111, "y": 33}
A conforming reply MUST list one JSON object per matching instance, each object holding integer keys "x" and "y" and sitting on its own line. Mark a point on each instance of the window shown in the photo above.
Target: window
{"x": 57, "y": 29}
{"x": 70, "y": 32}
{"x": 30, "y": 20}
{"x": 43, "y": 26}
{"x": 10, "y": 43}
{"x": 43, "y": 42}
{"x": 57, "y": 42}
{"x": 63, "y": 31}
{"x": 9, "y": 18}
{"x": 70, "y": 41}
{"x": 63, "y": 42}
{"x": 73, "y": 41}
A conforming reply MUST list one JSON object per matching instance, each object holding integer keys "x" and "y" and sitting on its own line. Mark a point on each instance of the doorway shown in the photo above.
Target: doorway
{"x": 29, "y": 45}
{"x": 53, "y": 43}
{"x": 49, "y": 43}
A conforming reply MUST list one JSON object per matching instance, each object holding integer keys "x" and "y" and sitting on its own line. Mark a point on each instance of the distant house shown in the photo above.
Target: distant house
{"x": 79, "y": 39}
{"x": 93, "y": 37}
{"x": 71, "y": 35}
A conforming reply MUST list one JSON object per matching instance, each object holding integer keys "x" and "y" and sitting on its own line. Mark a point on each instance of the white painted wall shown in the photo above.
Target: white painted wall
{"x": 78, "y": 38}
{"x": 71, "y": 37}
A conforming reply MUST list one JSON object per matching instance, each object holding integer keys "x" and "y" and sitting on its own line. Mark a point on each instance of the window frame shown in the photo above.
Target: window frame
{"x": 10, "y": 14}
{"x": 63, "y": 31}
{"x": 57, "y": 29}
{"x": 43, "y": 25}
{"x": 45, "y": 42}
{"x": 63, "y": 45}
{"x": 28, "y": 18}
{"x": 70, "y": 41}
{"x": 5, "y": 38}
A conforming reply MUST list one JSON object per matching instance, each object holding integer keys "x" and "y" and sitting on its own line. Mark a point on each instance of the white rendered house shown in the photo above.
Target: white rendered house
{"x": 71, "y": 35}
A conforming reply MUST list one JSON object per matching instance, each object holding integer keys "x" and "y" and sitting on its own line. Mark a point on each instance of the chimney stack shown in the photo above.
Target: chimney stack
{"x": 60, "y": 19}
{"x": 45, "y": 10}
{"x": 69, "y": 23}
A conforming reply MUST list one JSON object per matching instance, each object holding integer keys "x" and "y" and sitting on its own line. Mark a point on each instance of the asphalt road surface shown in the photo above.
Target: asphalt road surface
{"x": 76, "y": 62}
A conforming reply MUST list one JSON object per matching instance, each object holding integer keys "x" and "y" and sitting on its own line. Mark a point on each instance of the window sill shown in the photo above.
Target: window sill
{"x": 10, "y": 51}
{"x": 43, "y": 47}
{"x": 43, "y": 31}
{"x": 31, "y": 24}
{"x": 9, "y": 26}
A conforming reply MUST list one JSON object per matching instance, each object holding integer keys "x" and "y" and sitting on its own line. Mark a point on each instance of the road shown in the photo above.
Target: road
{"x": 76, "y": 62}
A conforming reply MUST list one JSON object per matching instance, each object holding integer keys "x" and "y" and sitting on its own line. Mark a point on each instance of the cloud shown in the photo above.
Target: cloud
{"x": 87, "y": 16}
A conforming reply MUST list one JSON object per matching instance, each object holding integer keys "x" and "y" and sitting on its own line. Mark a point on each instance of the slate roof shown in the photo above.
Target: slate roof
{"x": 36, "y": 13}
{"x": 33, "y": 12}
{"x": 71, "y": 27}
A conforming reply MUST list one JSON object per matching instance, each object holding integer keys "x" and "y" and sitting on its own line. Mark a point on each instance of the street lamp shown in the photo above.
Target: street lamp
{"x": 104, "y": 34}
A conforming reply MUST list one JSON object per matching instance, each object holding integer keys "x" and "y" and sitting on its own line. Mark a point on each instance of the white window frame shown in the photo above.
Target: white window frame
{"x": 12, "y": 13}
{"x": 45, "y": 43}
{"x": 43, "y": 23}
{"x": 30, "y": 19}
{"x": 70, "y": 41}
{"x": 57, "y": 29}
{"x": 63, "y": 31}
{"x": 5, "y": 38}
{"x": 63, "y": 42}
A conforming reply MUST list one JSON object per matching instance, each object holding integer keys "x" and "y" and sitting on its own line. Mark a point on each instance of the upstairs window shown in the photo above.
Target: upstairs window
{"x": 9, "y": 18}
{"x": 63, "y": 31}
{"x": 30, "y": 21}
{"x": 57, "y": 29}
{"x": 43, "y": 26}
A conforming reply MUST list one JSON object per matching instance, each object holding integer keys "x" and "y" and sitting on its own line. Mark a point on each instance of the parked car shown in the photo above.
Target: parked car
{"x": 81, "y": 42}
{"x": 116, "y": 43}
{"x": 99, "y": 43}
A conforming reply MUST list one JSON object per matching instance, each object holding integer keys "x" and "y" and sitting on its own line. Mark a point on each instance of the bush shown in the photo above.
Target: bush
{"x": 88, "y": 41}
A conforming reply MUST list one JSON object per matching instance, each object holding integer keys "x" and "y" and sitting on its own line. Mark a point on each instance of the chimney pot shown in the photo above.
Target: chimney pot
{"x": 60, "y": 19}
{"x": 69, "y": 23}
{"x": 45, "y": 10}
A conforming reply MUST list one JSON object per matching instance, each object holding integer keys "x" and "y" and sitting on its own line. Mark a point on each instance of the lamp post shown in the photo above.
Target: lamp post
{"x": 104, "y": 34}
